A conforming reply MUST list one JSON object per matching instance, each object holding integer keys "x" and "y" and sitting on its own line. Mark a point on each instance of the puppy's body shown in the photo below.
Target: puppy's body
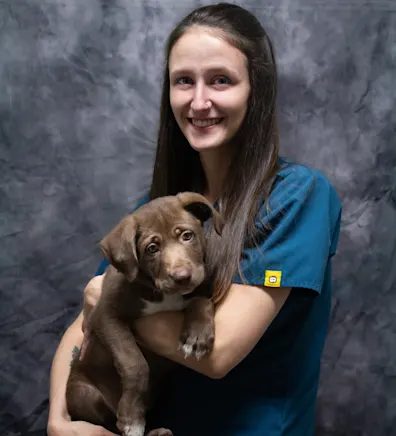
{"x": 157, "y": 264}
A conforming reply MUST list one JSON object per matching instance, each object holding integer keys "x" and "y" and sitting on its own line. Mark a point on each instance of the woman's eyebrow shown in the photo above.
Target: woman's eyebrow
{"x": 219, "y": 69}
{"x": 180, "y": 72}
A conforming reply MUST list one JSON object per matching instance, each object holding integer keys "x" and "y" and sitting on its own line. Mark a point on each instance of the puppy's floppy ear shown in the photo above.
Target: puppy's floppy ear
{"x": 200, "y": 207}
{"x": 119, "y": 247}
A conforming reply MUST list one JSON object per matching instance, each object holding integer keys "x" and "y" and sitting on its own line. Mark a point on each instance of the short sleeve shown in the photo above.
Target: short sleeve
{"x": 104, "y": 264}
{"x": 304, "y": 217}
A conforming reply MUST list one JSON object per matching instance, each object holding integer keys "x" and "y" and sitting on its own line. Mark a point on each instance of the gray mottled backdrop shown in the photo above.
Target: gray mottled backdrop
{"x": 79, "y": 97}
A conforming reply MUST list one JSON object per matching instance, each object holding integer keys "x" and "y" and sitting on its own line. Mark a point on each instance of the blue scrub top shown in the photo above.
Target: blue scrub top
{"x": 273, "y": 391}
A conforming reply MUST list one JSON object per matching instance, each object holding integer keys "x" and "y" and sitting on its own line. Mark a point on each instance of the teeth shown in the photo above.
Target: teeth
{"x": 205, "y": 123}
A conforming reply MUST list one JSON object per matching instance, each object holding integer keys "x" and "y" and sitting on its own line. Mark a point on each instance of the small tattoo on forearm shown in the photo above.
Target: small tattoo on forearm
{"x": 75, "y": 354}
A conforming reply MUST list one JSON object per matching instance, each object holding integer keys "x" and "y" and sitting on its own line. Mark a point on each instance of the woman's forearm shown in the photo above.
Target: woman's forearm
{"x": 240, "y": 321}
{"x": 60, "y": 369}
{"x": 161, "y": 333}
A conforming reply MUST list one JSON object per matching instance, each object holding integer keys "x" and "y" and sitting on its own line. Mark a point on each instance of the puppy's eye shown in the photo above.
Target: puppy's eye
{"x": 152, "y": 248}
{"x": 187, "y": 235}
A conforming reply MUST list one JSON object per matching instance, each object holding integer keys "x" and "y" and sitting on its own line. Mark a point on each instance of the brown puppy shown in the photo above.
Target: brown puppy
{"x": 157, "y": 263}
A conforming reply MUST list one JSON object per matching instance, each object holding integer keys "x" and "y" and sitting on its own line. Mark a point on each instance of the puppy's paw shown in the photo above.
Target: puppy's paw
{"x": 131, "y": 414}
{"x": 197, "y": 341}
{"x": 135, "y": 429}
{"x": 160, "y": 432}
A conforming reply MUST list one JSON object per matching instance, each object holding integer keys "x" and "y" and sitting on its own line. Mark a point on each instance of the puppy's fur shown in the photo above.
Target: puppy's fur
{"x": 157, "y": 263}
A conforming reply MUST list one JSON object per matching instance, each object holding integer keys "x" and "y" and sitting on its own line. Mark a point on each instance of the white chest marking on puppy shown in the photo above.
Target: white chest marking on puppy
{"x": 169, "y": 303}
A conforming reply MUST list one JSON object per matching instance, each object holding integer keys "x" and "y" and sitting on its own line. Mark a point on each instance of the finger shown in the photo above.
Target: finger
{"x": 83, "y": 347}
{"x": 84, "y": 322}
{"x": 82, "y": 352}
{"x": 87, "y": 308}
{"x": 93, "y": 291}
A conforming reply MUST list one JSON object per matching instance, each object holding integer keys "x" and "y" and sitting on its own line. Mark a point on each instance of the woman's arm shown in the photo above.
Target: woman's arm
{"x": 240, "y": 321}
{"x": 60, "y": 369}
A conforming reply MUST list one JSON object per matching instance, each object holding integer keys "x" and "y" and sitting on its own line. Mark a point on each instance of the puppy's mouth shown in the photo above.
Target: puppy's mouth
{"x": 169, "y": 287}
{"x": 173, "y": 289}
{"x": 205, "y": 123}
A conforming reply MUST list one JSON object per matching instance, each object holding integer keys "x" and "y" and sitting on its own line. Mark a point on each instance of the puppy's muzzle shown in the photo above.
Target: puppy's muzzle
{"x": 181, "y": 279}
{"x": 181, "y": 276}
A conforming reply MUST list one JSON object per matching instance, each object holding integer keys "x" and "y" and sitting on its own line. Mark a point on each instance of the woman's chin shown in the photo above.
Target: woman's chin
{"x": 206, "y": 143}
{"x": 205, "y": 146}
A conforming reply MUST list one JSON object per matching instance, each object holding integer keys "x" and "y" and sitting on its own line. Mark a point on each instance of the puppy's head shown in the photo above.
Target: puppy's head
{"x": 165, "y": 239}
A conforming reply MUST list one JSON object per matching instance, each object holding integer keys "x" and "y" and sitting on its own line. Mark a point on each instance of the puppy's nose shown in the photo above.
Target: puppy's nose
{"x": 181, "y": 275}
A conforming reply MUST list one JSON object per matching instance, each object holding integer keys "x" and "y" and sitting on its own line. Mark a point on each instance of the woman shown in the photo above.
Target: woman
{"x": 218, "y": 136}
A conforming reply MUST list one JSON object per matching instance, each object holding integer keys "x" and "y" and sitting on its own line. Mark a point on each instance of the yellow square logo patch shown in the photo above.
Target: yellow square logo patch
{"x": 273, "y": 278}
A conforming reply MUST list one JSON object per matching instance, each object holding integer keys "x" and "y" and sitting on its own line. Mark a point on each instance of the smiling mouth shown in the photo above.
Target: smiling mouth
{"x": 206, "y": 122}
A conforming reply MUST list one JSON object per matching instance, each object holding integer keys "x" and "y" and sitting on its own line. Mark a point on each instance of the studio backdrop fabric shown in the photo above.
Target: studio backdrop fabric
{"x": 79, "y": 104}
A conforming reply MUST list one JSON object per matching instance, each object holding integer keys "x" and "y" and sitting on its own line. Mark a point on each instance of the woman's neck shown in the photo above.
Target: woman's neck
{"x": 215, "y": 164}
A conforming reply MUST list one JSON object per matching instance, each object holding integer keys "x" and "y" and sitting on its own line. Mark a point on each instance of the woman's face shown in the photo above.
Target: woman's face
{"x": 209, "y": 88}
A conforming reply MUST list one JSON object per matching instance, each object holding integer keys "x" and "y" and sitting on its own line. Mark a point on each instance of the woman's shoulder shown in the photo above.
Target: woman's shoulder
{"x": 298, "y": 172}
{"x": 298, "y": 181}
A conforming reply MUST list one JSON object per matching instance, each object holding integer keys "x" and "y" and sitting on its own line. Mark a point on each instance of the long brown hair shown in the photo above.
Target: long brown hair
{"x": 255, "y": 163}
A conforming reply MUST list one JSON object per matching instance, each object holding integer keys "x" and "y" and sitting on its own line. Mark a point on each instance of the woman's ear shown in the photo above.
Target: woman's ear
{"x": 119, "y": 247}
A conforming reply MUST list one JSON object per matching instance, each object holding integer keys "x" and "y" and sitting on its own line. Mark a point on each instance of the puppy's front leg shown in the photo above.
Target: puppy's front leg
{"x": 131, "y": 366}
{"x": 198, "y": 333}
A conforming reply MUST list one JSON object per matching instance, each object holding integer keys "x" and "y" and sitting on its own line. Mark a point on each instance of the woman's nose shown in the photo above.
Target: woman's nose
{"x": 199, "y": 100}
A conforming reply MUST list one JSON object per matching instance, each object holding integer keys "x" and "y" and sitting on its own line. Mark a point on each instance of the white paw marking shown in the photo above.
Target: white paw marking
{"x": 187, "y": 350}
{"x": 134, "y": 430}
{"x": 200, "y": 354}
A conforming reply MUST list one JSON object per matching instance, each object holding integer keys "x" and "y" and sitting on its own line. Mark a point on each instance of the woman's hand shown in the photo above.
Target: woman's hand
{"x": 76, "y": 428}
{"x": 91, "y": 297}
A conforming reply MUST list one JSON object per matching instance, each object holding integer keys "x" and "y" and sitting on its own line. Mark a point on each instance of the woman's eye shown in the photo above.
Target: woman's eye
{"x": 222, "y": 80}
{"x": 183, "y": 81}
{"x": 187, "y": 236}
{"x": 152, "y": 248}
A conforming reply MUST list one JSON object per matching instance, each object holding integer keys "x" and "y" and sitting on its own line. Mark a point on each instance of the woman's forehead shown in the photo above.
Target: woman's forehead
{"x": 200, "y": 48}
